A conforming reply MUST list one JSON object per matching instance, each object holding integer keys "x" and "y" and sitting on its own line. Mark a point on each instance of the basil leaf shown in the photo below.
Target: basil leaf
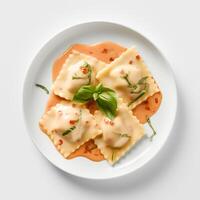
{"x": 107, "y": 103}
{"x": 84, "y": 94}
{"x": 99, "y": 88}
{"x": 105, "y": 98}
{"x": 105, "y": 89}
{"x": 95, "y": 96}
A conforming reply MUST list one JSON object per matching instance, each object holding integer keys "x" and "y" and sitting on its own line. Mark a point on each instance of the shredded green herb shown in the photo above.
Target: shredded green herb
{"x": 124, "y": 135}
{"x": 127, "y": 80}
{"x": 42, "y": 87}
{"x": 113, "y": 156}
{"x": 152, "y": 128}
{"x": 66, "y": 132}
{"x": 89, "y": 73}
{"x": 140, "y": 95}
{"x": 140, "y": 88}
{"x": 142, "y": 80}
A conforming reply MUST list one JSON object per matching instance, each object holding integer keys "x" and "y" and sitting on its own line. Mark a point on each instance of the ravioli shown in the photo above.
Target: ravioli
{"x": 129, "y": 76}
{"x": 118, "y": 135}
{"x": 78, "y": 70}
{"x": 69, "y": 126}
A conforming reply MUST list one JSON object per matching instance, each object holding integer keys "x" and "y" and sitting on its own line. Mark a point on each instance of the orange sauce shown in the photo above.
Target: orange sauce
{"x": 107, "y": 52}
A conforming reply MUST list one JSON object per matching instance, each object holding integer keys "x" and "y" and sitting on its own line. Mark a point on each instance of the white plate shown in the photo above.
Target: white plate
{"x": 34, "y": 99}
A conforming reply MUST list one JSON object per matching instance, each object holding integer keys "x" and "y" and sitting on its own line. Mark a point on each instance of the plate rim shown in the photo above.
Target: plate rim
{"x": 25, "y": 80}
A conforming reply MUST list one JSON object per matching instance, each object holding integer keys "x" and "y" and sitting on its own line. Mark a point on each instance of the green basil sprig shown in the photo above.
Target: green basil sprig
{"x": 105, "y": 98}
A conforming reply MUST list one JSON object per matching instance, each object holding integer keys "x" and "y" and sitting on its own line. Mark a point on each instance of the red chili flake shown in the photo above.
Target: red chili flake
{"x": 77, "y": 114}
{"x": 130, "y": 62}
{"x": 147, "y": 108}
{"x": 104, "y": 51}
{"x": 86, "y": 122}
{"x": 122, "y": 72}
{"x": 90, "y": 147}
{"x": 73, "y": 105}
{"x": 90, "y": 52}
{"x": 72, "y": 121}
{"x": 138, "y": 57}
{"x": 84, "y": 70}
{"x": 106, "y": 121}
{"x": 111, "y": 123}
{"x": 156, "y": 100}
{"x": 111, "y": 59}
{"x": 60, "y": 142}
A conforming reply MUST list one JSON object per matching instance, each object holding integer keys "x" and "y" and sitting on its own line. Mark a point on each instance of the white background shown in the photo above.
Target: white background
{"x": 173, "y": 26}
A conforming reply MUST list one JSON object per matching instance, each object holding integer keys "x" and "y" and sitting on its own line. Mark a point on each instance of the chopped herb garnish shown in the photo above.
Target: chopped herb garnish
{"x": 42, "y": 87}
{"x": 140, "y": 88}
{"x": 89, "y": 73}
{"x": 124, "y": 135}
{"x": 140, "y": 95}
{"x": 127, "y": 80}
{"x": 152, "y": 128}
{"x": 68, "y": 130}
{"x": 142, "y": 80}
{"x": 113, "y": 156}
{"x": 77, "y": 77}
{"x": 88, "y": 70}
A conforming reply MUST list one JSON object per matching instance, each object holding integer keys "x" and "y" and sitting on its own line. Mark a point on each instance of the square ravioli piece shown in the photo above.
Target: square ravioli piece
{"x": 79, "y": 69}
{"x": 69, "y": 126}
{"x": 118, "y": 135}
{"x": 129, "y": 77}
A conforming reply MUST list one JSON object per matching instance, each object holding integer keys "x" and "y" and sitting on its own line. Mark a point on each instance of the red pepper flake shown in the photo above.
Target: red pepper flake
{"x": 60, "y": 142}
{"x": 90, "y": 52}
{"x": 111, "y": 123}
{"x": 104, "y": 51}
{"x": 72, "y": 121}
{"x": 147, "y": 108}
{"x": 84, "y": 70}
{"x": 90, "y": 147}
{"x": 156, "y": 100}
{"x": 111, "y": 59}
{"x": 106, "y": 121}
{"x": 122, "y": 72}
{"x": 87, "y": 122}
{"x": 130, "y": 62}
{"x": 138, "y": 57}
{"x": 73, "y": 105}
